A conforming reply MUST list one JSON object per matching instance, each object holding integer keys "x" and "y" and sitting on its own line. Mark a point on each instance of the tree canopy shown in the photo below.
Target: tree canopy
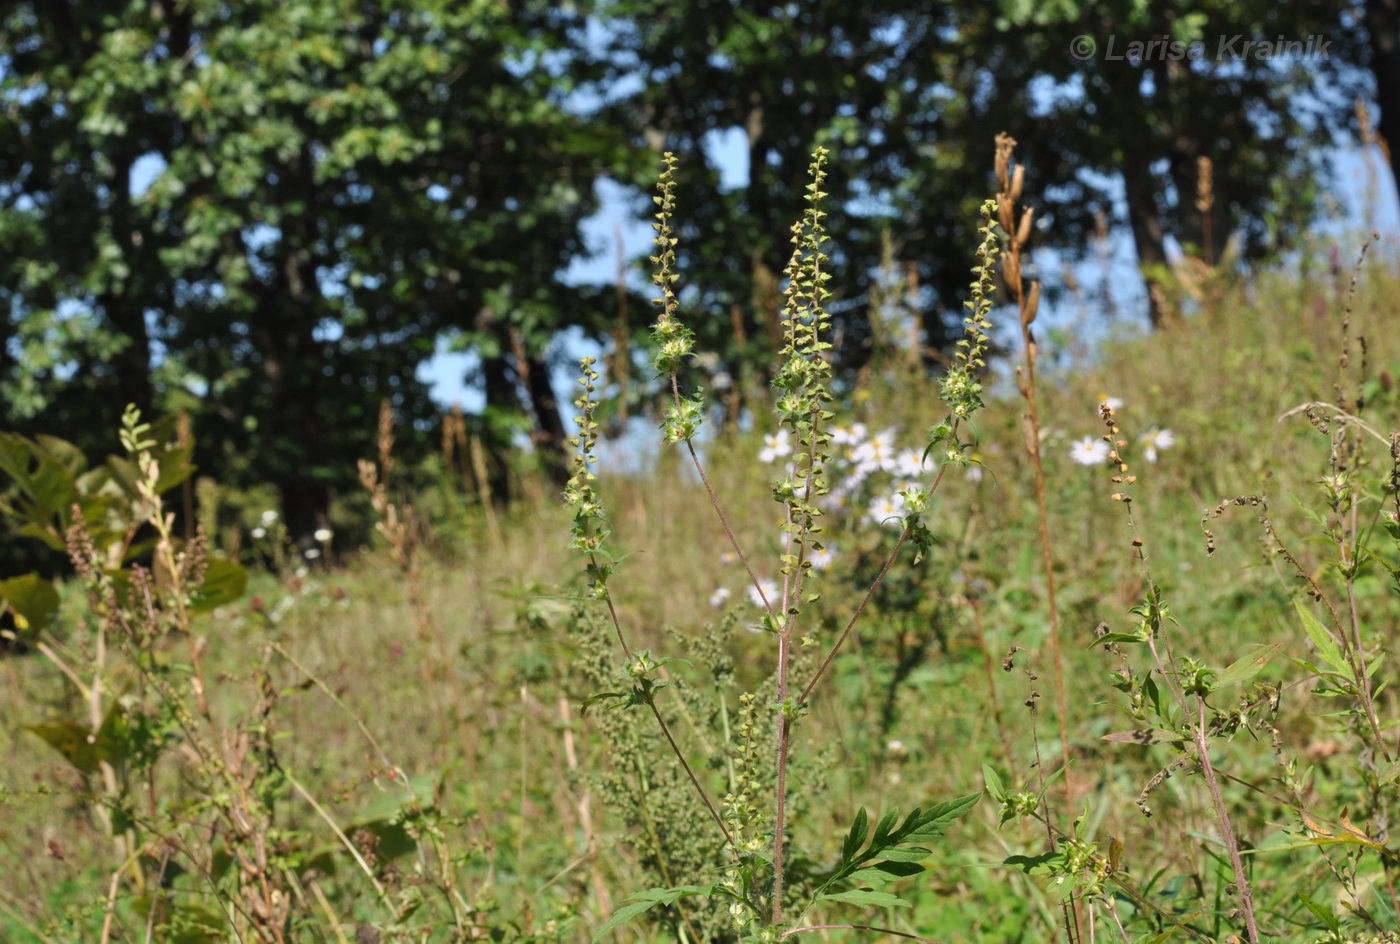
{"x": 270, "y": 214}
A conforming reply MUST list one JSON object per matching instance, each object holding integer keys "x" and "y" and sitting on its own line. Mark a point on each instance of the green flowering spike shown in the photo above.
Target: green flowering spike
{"x": 590, "y": 527}
{"x": 804, "y": 375}
{"x": 961, "y": 386}
{"x": 674, "y": 342}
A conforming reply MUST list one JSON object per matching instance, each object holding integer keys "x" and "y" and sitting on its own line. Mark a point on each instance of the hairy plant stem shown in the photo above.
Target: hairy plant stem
{"x": 1227, "y": 832}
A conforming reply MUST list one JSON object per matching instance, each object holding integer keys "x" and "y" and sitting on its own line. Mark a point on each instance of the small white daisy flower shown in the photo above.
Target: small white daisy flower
{"x": 720, "y": 595}
{"x": 821, "y": 559}
{"x": 887, "y": 509}
{"x": 843, "y": 435}
{"x": 1113, "y": 403}
{"x": 1155, "y": 440}
{"x": 775, "y": 446}
{"x": 269, "y": 518}
{"x": 258, "y": 533}
{"x": 1089, "y": 451}
{"x": 323, "y": 534}
{"x": 909, "y": 464}
{"x": 770, "y": 590}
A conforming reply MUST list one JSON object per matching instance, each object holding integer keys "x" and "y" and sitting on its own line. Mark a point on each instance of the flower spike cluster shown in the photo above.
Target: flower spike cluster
{"x": 674, "y": 341}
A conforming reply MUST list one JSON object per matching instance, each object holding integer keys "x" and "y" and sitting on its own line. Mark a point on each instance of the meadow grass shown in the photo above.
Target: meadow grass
{"x": 517, "y": 815}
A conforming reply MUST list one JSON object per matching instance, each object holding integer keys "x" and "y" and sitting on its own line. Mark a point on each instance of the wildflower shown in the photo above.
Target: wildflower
{"x": 877, "y": 454}
{"x": 909, "y": 464}
{"x": 974, "y": 467}
{"x": 269, "y": 518}
{"x": 1113, "y": 403}
{"x": 822, "y": 558}
{"x": 852, "y": 435}
{"x": 323, "y": 534}
{"x": 770, "y": 590}
{"x": 311, "y": 553}
{"x": 728, "y": 557}
{"x": 775, "y": 446}
{"x": 885, "y": 507}
{"x": 258, "y": 533}
{"x": 1089, "y": 451}
{"x": 897, "y": 749}
{"x": 1155, "y": 439}
{"x": 719, "y": 596}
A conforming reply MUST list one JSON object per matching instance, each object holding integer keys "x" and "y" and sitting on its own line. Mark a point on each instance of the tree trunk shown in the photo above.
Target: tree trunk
{"x": 1382, "y": 18}
{"x": 1148, "y": 238}
{"x": 551, "y": 440}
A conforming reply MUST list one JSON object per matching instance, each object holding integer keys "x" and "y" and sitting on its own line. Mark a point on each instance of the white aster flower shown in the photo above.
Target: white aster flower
{"x": 821, "y": 559}
{"x": 909, "y": 464}
{"x": 770, "y": 590}
{"x": 887, "y": 509}
{"x": 269, "y": 518}
{"x": 1113, "y": 403}
{"x": 775, "y": 446}
{"x": 1089, "y": 451}
{"x": 1154, "y": 440}
{"x": 843, "y": 435}
{"x": 719, "y": 596}
{"x": 323, "y": 534}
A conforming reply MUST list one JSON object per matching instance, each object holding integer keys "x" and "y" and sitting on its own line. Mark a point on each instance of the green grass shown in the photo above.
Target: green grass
{"x": 515, "y": 766}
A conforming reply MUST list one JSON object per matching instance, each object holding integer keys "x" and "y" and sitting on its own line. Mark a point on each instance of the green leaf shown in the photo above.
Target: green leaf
{"x": 1117, "y": 637}
{"x": 1323, "y": 641}
{"x": 868, "y": 898}
{"x": 882, "y": 873}
{"x": 1323, "y": 914}
{"x": 643, "y": 902}
{"x": 224, "y": 582}
{"x": 859, "y": 831}
{"x": 1247, "y": 667}
{"x": 993, "y": 781}
{"x": 1032, "y": 865}
{"x": 32, "y": 599}
{"x": 882, "y": 829}
{"x": 934, "y": 821}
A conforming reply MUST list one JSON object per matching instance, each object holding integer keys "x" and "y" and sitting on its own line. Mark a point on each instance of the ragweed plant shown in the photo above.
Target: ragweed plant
{"x": 759, "y": 884}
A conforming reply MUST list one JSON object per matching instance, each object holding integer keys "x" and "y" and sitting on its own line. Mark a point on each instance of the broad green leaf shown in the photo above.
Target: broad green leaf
{"x": 1032, "y": 865}
{"x": 32, "y": 599}
{"x": 1325, "y": 915}
{"x": 993, "y": 781}
{"x": 867, "y": 898}
{"x": 224, "y": 582}
{"x": 645, "y": 901}
{"x": 1323, "y": 641}
{"x": 881, "y": 874}
{"x": 1117, "y": 637}
{"x": 1247, "y": 667}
